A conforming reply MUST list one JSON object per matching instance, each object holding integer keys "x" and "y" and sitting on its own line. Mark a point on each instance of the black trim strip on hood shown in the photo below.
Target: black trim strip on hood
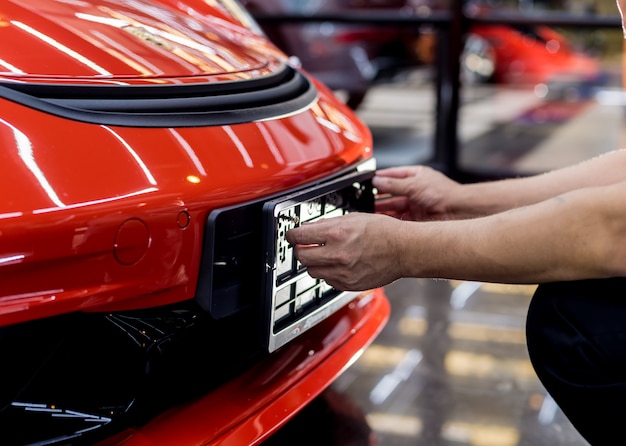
{"x": 185, "y": 105}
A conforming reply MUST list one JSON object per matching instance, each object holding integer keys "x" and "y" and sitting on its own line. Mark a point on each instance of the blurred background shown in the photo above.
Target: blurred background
{"x": 480, "y": 90}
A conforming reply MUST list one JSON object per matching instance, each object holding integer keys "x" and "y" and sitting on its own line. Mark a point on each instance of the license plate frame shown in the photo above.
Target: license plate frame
{"x": 294, "y": 302}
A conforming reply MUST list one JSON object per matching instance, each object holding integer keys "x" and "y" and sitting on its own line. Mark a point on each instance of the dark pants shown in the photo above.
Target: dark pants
{"x": 576, "y": 333}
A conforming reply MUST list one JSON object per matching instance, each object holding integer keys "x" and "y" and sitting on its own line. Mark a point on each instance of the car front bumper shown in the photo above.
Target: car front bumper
{"x": 252, "y": 406}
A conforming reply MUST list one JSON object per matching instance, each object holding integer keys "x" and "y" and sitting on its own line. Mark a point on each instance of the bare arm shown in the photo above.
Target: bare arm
{"x": 579, "y": 234}
{"x": 576, "y": 235}
{"x": 427, "y": 194}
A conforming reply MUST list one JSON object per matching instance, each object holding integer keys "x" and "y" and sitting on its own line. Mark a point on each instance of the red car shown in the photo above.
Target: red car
{"x": 152, "y": 156}
{"x": 523, "y": 55}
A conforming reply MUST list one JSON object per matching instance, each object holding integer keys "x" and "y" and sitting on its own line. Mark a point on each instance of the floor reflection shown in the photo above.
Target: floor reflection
{"x": 451, "y": 368}
{"x": 434, "y": 402}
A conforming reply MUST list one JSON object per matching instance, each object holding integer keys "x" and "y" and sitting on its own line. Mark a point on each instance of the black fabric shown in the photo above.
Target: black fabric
{"x": 576, "y": 334}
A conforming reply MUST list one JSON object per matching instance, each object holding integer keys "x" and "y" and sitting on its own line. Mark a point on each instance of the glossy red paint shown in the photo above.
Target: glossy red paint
{"x": 79, "y": 183}
{"x": 248, "y": 409}
{"x": 103, "y": 224}
{"x": 72, "y": 192}
{"x": 106, "y": 41}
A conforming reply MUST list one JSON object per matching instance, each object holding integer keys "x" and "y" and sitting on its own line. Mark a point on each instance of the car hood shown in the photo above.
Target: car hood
{"x": 123, "y": 125}
{"x": 127, "y": 41}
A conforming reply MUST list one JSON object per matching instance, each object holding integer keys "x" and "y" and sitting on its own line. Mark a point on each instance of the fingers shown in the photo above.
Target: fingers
{"x": 394, "y": 185}
{"x": 309, "y": 241}
{"x": 314, "y": 257}
{"x": 308, "y": 234}
{"x": 344, "y": 251}
{"x": 398, "y": 172}
{"x": 396, "y": 180}
{"x": 316, "y": 244}
{"x": 328, "y": 274}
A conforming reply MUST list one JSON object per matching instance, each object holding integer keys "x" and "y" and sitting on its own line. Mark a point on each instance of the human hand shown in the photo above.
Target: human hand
{"x": 415, "y": 192}
{"x": 353, "y": 252}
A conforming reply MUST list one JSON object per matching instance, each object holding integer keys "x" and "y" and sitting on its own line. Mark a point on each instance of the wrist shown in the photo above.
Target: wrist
{"x": 463, "y": 203}
{"x": 475, "y": 200}
{"x": 408, "y": 249}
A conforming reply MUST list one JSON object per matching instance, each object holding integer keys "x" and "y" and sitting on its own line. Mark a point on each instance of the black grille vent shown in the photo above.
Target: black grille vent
{"x": 224, "y": 103}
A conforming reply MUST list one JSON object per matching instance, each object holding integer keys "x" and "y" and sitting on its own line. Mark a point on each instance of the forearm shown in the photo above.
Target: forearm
{"x": 577, "y": 235}
{"x": 496, "y": 196}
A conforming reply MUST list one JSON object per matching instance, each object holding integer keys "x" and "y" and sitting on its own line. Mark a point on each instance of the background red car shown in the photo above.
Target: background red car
{"x": 351, "y": 58}
{"x": 523, "y": 55}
